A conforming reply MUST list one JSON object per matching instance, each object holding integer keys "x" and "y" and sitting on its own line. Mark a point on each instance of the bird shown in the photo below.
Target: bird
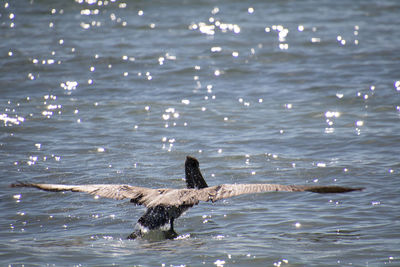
{"x": 165, "y": 205}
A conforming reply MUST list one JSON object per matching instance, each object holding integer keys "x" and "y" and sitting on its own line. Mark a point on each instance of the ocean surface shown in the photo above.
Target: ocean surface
{"x": 281, "y": 91}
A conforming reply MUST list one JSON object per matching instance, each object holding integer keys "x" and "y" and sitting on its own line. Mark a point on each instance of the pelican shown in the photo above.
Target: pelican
{"x": 164, "y": 205}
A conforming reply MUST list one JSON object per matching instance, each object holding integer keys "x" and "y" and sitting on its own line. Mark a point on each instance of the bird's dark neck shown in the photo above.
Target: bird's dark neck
{"x": 194, "y": 179}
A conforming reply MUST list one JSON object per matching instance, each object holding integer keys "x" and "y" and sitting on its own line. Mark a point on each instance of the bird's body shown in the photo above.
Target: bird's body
{"x": 164, "y": 205}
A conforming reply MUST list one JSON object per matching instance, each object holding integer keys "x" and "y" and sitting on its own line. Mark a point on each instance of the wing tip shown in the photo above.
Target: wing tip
{"x": 20, "y": 184}
{"x": 335, "y": 189}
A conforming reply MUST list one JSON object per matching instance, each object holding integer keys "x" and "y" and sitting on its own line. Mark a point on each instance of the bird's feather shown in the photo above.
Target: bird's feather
{"x": 177, "y": 197}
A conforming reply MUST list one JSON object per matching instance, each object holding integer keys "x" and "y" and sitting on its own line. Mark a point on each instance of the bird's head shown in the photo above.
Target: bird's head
{"x": 191, "y": 162}
{"x": 194, "y": 179}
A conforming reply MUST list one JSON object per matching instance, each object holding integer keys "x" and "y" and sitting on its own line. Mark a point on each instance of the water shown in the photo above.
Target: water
{"x": 260, "y": 92}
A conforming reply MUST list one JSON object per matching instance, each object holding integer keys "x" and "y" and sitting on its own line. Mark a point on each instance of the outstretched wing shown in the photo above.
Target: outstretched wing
{"x": 138, "y": 195}
{"x": 177, "y": 197}
{"x": 231, "y": 190}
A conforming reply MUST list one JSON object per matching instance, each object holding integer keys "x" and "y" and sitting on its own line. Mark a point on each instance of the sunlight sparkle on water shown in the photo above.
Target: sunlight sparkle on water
{"x": 359, "y": 123}
{"x": 219, "y": 263}
{"x": 329, "y": 130}
{"x": 397, "y": 85}
{"x": 210, "y": 29}
{"x": 50, "y": 107}
{"x": 170, "y": 113}
{"x": 279, "y": 263}
{"x": 215, "y": 10}
{"x": 69, "y": 85}
{"x": 204, "y": 28}
{"x": 219, "y": 237}
{"x": 315, "y": 40}
{"x": 339, "y": 95}
{"x": 7, "y": 120}
{"x": 216, "y": 49}
{"x": 332, "y": 114}
{"x": 284, "y": 46}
